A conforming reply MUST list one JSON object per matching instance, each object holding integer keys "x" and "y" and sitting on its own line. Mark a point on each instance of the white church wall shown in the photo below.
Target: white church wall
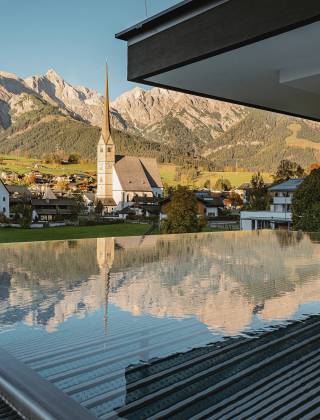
{"x": 117, "y": 187}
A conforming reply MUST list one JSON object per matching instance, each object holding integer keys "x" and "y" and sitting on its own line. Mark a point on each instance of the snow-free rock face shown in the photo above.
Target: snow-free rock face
{"x": 83, "y": 102}
{"x": 161, "y": 121}
{"x": 139, "y": 111}
{"x": 14, "y": 98}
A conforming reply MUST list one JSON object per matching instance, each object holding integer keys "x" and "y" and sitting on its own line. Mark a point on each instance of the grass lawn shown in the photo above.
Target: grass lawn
{"x": 71, "y": 232}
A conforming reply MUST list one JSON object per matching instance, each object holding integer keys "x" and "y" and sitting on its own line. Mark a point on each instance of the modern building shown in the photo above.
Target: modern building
{"x": 255, "y": 53}
{"x": 4, "y": 200}
{"x": 279, "y": 216}
{"x": 121, "y": 178}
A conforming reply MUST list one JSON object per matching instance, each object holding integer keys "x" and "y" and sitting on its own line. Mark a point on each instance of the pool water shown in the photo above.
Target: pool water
{"x": 87, "y": 314}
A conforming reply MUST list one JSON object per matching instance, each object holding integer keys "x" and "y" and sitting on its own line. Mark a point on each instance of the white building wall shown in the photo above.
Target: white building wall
{"x": 4, "y": 200}
{"x": 246, "y": 224}
{"x": 158, "y": 192}
{"x": 117, "y": 187}
{"x": 212, "y": 211}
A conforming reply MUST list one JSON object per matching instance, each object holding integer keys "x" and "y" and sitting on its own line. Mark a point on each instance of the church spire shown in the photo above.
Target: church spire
{"x": 106, "y": 133}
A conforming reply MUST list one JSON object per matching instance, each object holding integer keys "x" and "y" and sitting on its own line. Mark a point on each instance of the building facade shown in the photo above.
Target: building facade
{"x": 279, "y": 216}
{"x": 4, "y": 200}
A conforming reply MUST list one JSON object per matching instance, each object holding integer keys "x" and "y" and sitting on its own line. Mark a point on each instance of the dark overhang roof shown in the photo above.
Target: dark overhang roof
{"x": 257, "y": 54}
{"x": 173, "y": 12}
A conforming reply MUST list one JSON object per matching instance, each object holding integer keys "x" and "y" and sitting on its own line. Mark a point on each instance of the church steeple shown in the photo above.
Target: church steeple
{"x": 105, "y": 153}
{"x": 106, "y": 130}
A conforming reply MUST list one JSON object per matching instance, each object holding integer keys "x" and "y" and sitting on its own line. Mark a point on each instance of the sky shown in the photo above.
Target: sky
{"x": 74, "y": 37}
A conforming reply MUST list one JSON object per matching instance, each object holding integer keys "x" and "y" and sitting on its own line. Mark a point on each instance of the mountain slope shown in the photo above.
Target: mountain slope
{"x": 45, "y": 113}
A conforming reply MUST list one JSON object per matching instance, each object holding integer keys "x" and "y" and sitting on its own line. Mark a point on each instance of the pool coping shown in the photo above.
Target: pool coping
{"x": 32, "y": 396}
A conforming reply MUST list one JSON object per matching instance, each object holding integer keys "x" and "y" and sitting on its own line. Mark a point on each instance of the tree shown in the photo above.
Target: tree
{"x": 207, "y": 184}
{"x": 62, "y": 185}
{"x": 99, "y": 208}
{"x": 182, "y": 214}
{"x": 222, "y": 185}
{"x": 23, "y": 214}
{"x": 74, "y": 158}
{"x": 288, "y": 170}
{"x": 235, "y": 199}
{"x": 177, "y": 176}
{"x": 259, "y": 198}
{"x": 306, "y": 204}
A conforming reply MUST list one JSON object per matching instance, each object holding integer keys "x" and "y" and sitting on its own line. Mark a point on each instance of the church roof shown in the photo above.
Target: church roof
{"x": 107, "y": 201}
{"x": 138, "y": 174}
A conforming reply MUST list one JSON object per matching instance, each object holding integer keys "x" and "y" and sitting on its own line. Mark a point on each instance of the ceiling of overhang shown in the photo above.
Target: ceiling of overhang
{"x": 281, "y": 73}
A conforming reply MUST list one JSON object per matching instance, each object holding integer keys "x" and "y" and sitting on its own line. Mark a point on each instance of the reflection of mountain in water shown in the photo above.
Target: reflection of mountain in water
{"x": 222, "y": 279}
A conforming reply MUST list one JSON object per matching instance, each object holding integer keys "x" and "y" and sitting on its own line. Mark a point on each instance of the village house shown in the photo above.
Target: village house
{"x": 279, "y": 216}
{"x": 121, "y": 178}
{"x": 4, "y": 200}
{"x": 53, "y": 210}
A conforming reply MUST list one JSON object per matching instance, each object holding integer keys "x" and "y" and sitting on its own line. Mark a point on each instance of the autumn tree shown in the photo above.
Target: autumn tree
{"x": 259, "y": 198}
{"x": 222, "y": 184}
{"x": 182, "y": 214}
{"x": 235, "y": 199}
{"x": 287, "y": 170}
{"x": 74, "y": 158}
{"x": 306, "y": 204}
{"x": 207, "y": 184}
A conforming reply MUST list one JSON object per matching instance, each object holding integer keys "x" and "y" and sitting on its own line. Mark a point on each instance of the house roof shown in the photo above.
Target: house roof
{"x": 290, "y": 185}
{"x": 19, "y": 189}
{"x": 89, "y": 195}
{"x": 138, "y": 174}
{"x": 49, "y": 194}
{"x": 108, "y": 201}
{"x": 2, "y": 183}
{"x": 55, "y": 202}
{"x": 213, "y": 202}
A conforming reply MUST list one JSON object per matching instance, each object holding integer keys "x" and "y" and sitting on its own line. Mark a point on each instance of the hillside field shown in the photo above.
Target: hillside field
{"x": 24, "y": 165}
{"x": 236, "y": 178}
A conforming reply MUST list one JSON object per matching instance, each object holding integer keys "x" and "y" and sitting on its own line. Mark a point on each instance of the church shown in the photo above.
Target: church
{"x": 121, "y": 178}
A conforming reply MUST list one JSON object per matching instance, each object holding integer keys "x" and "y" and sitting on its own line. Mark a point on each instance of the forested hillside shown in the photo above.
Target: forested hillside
{"x": 45, "y": 114}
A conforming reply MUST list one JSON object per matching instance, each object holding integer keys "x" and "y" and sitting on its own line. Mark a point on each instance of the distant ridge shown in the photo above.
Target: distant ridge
{"x": 43, "y": 113}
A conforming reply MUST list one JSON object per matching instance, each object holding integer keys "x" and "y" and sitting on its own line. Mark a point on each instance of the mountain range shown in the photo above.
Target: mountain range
{"x": 42, "y": 114}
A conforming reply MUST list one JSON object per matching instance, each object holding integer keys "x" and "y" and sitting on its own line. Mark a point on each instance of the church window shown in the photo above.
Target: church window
{"x": 109, "y": 149}
{"x": 101, "y": 149}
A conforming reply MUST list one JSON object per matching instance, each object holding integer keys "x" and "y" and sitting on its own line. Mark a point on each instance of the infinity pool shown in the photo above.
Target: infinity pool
{"x": 86, "y": 315}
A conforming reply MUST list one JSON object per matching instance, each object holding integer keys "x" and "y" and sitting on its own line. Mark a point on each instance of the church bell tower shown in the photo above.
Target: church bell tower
{"x": 105, "y": 153}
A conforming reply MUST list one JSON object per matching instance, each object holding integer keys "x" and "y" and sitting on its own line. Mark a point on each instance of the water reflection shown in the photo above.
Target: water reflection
{"x": 227, "y": 281}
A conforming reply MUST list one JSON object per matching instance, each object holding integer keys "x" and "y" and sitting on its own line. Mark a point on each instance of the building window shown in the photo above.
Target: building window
{"x": 101, "y": 150}
{"x": 4, "y": 209}
{"x": 4, "y": 199}
{"x": 109, "y": 149}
